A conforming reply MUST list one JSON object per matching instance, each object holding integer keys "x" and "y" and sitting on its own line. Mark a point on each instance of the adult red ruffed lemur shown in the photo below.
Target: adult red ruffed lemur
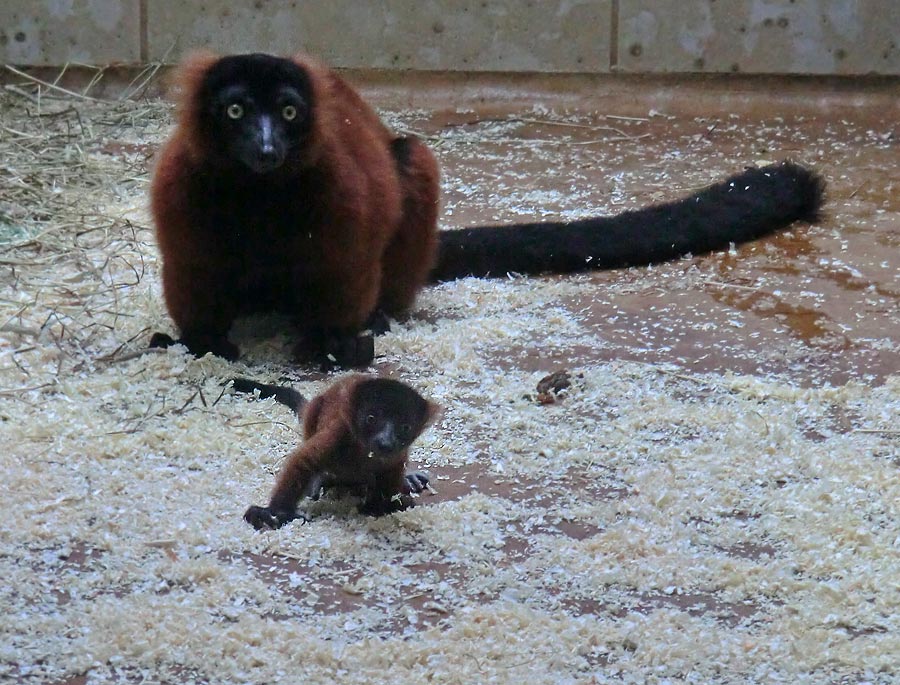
{"x": 357, "y": 433}
{"x": 281, "y": 190}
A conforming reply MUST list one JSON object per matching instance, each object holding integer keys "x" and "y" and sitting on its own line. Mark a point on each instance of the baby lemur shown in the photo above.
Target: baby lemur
{"x": 357, "y": 433}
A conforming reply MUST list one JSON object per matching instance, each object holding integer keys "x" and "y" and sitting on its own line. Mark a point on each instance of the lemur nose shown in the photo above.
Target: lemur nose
{"x": 385, "y": 444}
{"x": 268, "y": 153}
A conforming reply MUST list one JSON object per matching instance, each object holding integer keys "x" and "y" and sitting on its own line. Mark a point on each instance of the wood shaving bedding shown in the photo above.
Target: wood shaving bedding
{"x": 659, "y": 523}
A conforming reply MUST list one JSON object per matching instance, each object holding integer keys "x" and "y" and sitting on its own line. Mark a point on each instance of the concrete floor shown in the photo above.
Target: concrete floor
{"x": 713, "y": 502}
{"x": 817, "y": 303}
{"x": 814, "y": 306}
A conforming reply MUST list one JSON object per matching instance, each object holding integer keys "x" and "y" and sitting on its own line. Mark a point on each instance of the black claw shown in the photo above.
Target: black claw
{"x": 348, "y": 351}
{"x": 337, "y": 349}
{"x": 219, "y": 346}
{"x": 259, "y": 518}
{"x": 298, "y": 517}
{"x": 162, "y": 340}
{"x": 198, "y": 345}
{"x": 379, "y": 323}
{"x": 380, "y": 506}
{"x": 263, "y": 517}
{"x": 417, "y": 481}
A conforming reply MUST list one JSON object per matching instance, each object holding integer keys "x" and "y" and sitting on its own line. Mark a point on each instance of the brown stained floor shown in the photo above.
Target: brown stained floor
{"x": 817, "y": 304}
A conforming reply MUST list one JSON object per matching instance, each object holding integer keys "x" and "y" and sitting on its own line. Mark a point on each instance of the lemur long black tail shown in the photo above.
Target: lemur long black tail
{"x": 745, "y": 206}
{"x": 283, "y": 395}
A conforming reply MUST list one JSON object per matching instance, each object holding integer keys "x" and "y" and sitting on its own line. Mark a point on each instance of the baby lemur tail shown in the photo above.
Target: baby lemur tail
{"x": 283, "y": 395}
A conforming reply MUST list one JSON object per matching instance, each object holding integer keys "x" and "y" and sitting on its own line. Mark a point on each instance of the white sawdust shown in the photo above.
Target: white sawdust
{"x": 124, "y": 557}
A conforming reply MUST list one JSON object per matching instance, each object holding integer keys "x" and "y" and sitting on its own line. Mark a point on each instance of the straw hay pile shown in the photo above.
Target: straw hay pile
{"x": 658, "y": 523}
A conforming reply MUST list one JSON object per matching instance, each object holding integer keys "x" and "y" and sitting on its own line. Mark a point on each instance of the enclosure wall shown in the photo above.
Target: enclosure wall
{"x": 587, "y": 36}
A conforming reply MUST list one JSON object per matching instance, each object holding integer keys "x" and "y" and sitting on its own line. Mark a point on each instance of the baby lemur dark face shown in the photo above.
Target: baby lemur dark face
{"x": 388, "y": 417}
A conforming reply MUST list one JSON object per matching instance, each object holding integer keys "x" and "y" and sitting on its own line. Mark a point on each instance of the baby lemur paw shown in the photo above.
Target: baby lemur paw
{"x": 380, "y": 506}
{"x": 417, "y": 481}
{"x": 264, "y": 517}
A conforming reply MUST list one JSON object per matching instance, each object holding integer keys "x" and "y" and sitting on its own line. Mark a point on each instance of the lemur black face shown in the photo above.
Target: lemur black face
{"x": 258, "y": 109}
{"x": 389, "y": 416}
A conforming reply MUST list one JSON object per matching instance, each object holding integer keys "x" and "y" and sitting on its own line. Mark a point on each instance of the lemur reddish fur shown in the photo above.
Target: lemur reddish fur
{"x": 366, "y": 235}
{"x": 346, "y": 226}
{"x": 335, "y": 452}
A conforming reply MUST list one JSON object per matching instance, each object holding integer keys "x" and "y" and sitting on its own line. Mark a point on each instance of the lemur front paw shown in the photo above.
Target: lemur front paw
{"x": 264, "y": 517}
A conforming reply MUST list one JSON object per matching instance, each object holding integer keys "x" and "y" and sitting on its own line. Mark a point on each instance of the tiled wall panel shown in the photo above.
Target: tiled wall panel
{"x": 647, "y": 36}
{"x": 56, "y": 32}
{"x": 760, "y": 36}
{"x": 511, "y": 35}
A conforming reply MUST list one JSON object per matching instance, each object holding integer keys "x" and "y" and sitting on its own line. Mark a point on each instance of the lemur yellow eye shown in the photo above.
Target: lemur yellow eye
{"x": 234, "y": 111}
{"x": 289, "y": 112}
